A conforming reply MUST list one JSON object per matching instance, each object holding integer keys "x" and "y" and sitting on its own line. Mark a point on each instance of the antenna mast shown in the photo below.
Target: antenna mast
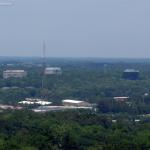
{"x": 44, "y": 63}
{"x": 44, "y": 54}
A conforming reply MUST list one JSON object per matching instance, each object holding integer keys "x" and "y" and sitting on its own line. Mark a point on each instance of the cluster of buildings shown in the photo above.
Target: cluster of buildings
{"x": 67, "y": 102}
{"x": 22, "y": 73}
{"x": 46, "y": 106}
{"x": 130, "y": 74}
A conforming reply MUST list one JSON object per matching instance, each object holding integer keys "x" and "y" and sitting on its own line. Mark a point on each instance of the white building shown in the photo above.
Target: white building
{"x": 14, "y": 73}
{"x": 43, "y": 103}
{"x": 76, "y": 103}
{"x": 26, "y": 102}
{"x": 52, "y": 70}
{"x": 32, "y": 101}
{"x": 121, "y": 99}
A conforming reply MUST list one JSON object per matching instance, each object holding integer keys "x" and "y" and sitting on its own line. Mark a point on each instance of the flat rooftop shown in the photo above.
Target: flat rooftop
{"x": 52, "y": 68}
{"x": 123, "y": 97}
{"x": 131, "y": 70}
{"x": 72, "y": 101}
{"x": 14, "y": 71}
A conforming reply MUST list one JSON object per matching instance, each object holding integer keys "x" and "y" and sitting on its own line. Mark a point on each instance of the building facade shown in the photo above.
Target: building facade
{"x": 52, "y": 70}
{"x": 14, "y": 74}
{"x": 131, "y": 74}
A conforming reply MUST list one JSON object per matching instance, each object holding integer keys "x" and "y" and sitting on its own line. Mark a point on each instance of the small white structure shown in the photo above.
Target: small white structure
{"x": 114, "y": 121}
{"x": 76, "y": 103}
{"x": 43, "y": 103}
{"x": 26, "y": 102}
{"x": 52, "y": 70}
{"x": 137, "y": 120}
{"x": 14, "y": 73}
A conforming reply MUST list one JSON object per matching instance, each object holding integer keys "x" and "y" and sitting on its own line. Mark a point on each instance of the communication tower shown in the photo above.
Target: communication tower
{"x": 44, "y": 63}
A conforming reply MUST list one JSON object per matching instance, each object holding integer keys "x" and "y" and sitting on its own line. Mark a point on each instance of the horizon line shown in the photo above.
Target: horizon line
{"x": 84, "y": 57}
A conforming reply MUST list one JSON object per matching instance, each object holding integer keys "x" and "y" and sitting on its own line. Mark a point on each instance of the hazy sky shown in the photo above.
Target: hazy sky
{"x": 85, "y": 28}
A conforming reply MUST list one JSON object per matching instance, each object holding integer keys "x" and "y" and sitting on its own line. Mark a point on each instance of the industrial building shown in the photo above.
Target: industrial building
{"x": 52, "y": 70}
{"x": 76, "y": 103}
{"x": 14, "y": 74}
{"x": 131, "y": 74}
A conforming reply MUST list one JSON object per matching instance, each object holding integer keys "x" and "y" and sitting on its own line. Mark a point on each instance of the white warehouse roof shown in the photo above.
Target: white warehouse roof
{"x": 123, "y": 97}
{"x": 71, "y": 101}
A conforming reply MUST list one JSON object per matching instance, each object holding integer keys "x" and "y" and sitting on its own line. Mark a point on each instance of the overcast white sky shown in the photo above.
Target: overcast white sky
{"x": 77, "y": 28}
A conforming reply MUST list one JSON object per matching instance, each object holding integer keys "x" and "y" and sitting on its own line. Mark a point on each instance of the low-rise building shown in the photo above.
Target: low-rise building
{"x": 131, "y": 74}
{"x": 76, "y": 103}
{"x": 43, "y": 103}
{"x": 26, "y": 102}
{"x": 14, "y": 74}
{"x": 52, "y": 70}
{"x": 33, "y": 101}
{"x": 121, "y": 99}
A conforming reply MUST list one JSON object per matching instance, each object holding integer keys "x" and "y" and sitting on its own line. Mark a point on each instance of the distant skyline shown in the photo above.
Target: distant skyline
{"x": 79, "y": 28}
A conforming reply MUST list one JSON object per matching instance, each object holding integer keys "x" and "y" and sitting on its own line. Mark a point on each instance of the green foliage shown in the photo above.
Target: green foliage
{"x": 92, "y": 81}
{"x": 25, "y": 130}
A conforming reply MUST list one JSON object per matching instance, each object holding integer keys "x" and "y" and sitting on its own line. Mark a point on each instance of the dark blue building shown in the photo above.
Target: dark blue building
{"x": 131, "y": 74}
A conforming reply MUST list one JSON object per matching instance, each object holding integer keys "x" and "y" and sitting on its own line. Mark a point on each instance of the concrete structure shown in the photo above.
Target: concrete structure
{"x": 52, "y": 70}
{"x": 131, "y": 74}
{"x": 76, "y": 103}
{"x": 14, "y": 74}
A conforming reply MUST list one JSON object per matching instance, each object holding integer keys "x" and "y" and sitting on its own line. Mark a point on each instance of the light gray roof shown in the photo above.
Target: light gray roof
{"x": 131, "y": 70}
{"x": 53, "y": 68}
